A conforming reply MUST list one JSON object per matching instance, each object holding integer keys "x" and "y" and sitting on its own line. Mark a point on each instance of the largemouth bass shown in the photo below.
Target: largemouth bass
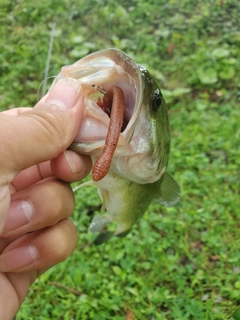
{"x": 125, "y": 130}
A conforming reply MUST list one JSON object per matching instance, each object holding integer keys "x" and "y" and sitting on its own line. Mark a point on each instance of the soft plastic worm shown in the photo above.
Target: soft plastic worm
{"x": 113, "y": 100}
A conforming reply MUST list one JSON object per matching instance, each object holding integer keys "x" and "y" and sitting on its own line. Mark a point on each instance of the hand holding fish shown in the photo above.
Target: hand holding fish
{"x": 34, "y": 203}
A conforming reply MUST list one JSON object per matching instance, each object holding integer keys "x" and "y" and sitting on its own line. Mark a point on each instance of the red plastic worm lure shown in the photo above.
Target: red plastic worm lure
{"x": 113, "y": 103}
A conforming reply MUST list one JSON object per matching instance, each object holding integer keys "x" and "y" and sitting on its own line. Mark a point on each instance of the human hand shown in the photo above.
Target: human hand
{"x": 35, "y": 203}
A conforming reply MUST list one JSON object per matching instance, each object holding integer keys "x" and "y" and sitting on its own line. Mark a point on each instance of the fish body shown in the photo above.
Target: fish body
{"x": 137, "y": 174}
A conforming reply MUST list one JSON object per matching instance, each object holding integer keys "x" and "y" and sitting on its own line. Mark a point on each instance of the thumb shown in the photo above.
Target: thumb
{"x": 43, "y": 132}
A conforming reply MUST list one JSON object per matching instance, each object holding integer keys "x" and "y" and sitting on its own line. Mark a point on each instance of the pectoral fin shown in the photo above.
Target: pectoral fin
{"x": 167, "y": 191}
{"x": 99, "y": 223}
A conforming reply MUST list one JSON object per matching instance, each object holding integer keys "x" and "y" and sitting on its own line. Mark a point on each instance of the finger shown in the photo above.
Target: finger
{"x": 42, "y": 133}
{"x": 37, "y": 207}
{"x": 32, "y": 175}
{"x": 41, "y": 249}
{"x": 15, "y": 289}
{"x": 4, "y": 242}
{"x": 68, "y": 166}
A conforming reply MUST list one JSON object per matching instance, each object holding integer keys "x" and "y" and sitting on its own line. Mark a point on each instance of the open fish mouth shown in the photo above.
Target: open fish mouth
{"x": 98, "y": 73}
{"x": 111, "y": 85}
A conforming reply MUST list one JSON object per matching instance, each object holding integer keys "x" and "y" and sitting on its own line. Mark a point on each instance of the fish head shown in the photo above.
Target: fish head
{"x": 143, "y": 146}
{"x": 151, "y": 137}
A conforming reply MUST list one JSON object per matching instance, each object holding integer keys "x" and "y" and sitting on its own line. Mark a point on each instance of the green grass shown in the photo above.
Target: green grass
{"x": 177, "y": 263}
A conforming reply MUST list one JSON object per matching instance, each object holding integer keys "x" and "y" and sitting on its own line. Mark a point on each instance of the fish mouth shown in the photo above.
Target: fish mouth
{"x": 98, "y": 73}
{"x": 111, "y": 141}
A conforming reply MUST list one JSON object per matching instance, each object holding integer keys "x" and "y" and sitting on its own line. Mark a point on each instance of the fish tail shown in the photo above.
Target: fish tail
{"x": 103, "y": 237}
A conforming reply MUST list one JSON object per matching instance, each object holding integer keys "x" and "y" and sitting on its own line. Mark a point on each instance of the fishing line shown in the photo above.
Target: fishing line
{"x": 48, "y": 59}
{"x": 43, "y": 83}
{"x": 84, "y": 184}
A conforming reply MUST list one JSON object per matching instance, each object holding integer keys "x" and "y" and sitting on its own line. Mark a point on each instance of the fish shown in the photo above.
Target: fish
{"x": 125, "y": 129}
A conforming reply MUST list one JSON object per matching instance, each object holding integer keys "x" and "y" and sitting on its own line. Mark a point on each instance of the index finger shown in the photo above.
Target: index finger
{"x": 69, "y": 166}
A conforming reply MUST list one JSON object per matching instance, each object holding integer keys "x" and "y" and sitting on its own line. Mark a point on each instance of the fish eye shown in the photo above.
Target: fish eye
{"x": 156, "y": 100}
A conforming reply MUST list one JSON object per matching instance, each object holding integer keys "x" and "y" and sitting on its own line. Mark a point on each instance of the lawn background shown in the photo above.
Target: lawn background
{"x": 177, "y": 263}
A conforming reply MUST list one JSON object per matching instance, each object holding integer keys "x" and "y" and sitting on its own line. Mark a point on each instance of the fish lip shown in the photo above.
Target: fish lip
{"x": 108, "y": 68}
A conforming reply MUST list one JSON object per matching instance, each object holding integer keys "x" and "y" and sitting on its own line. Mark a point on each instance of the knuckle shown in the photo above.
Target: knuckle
{"x": 60, "y": 196}
{"x": 65, "y": 240}
{"x": 53, "y": 124}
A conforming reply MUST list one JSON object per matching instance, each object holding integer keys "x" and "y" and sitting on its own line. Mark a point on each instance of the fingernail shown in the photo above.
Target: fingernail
{"x": 64, "y": 94}
{"x": 18, "y": 258}
{"x": 19, "y": 214}
{"x": 73, "y": 161}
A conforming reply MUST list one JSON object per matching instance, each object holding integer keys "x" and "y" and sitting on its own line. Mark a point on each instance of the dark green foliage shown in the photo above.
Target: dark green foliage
{"x": 177, "y": 263}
